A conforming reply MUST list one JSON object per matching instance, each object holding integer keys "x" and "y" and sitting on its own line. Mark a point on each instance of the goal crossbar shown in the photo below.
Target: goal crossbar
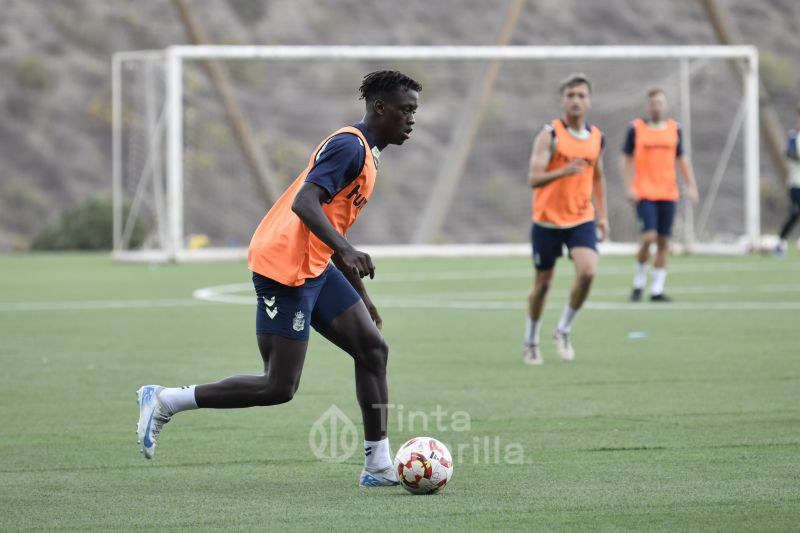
{"x": 464, "y": 52}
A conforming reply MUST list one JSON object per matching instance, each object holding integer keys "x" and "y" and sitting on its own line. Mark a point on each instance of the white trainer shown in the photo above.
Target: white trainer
{"x": 780, "y": 249}
{"x": 151, "y": 419}
{"x": 386, "y": 477}
{"x": 563, "y": 345}
{"x": 531, "y": 355}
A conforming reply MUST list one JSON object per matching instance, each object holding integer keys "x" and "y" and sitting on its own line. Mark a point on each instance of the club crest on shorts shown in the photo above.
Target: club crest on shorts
{"x": 299, "y": 323}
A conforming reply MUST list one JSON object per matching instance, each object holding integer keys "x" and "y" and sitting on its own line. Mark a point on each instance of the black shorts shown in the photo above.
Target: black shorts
{"x": 289, "y": 311}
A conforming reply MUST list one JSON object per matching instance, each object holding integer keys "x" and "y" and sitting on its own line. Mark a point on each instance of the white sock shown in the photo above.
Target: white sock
{"x": 376, "y": 454}
{"x": 177, "y": 399}
{"x": 640, "y": 277}
{"x": 532, "y": 328}
{"x": 567, "y": 318}
{"x": 659, "y": 278}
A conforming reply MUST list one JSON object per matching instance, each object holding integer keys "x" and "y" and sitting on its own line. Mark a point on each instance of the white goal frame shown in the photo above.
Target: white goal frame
{"x": 171, "y": 221}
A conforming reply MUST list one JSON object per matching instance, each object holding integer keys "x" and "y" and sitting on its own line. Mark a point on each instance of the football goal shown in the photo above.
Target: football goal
{"x": 206, "y": 137}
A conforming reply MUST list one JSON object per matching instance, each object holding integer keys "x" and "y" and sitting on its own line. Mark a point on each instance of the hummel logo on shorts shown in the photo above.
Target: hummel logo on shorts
{"x": 270, "y": 307}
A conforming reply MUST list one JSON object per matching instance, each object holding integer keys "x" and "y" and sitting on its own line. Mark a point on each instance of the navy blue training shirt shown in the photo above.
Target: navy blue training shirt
{"x": 340, "y": 161}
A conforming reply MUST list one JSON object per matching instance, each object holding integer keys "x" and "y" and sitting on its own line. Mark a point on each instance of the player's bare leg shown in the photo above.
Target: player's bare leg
{"x": 662, "y": 251}
{"x": 283, "y": 366}
{"x": 794, "y": 215}
{"x": 542, "y": 281}
{"x": 646, "y": 240}
{"x": 354, "y": 332}
{"x": 660, "y": 270}
{"x": 585, "y": 261}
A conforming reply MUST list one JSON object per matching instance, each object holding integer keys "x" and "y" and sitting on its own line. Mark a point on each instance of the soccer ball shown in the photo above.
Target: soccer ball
{"x": 424, "y": 465}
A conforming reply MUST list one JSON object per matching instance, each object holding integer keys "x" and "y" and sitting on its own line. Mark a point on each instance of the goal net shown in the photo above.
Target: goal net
{"x": 205, "y": 138}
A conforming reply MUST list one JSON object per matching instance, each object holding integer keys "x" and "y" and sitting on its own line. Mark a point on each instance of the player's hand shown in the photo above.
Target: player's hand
{"x": 692, "y": 196}
{"x": 359, "y": 263}
{"x": 373, "y": 314}
{"x": 575, "y": 166}
{"x": 602, "y": 229}
{"x": 633, "y": 196}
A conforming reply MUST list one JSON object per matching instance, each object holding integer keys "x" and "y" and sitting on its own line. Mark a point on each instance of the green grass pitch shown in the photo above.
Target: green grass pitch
{"x": 677, "y": 417}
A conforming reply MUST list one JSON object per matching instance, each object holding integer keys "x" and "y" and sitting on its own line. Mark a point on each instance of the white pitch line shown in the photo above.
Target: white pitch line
{"x": 393, "y": 303}
{"x": 90, "y": 305}
{"x": 452, "y": 275}
{"x": 694, "y": 306}
{"x": 701, "y": 269}
{"x": 456, "y": 275}
{"x": 605, "y": 306}
{"x": 608, "y": 291}
{"x": 513, "y": 273}
{"x": 224, "y": 293}
{"x": 221, "y": 293}
{"x": 469, "y": 300}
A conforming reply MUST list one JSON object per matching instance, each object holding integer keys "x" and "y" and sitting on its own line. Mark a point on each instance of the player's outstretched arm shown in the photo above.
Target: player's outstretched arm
{"x": 627, "y": 177}
{"x": 599, "y": 193}
{"x": 307, "y": 206}
{"x": 540, "y": 158}
{"x": 688, "y": 178}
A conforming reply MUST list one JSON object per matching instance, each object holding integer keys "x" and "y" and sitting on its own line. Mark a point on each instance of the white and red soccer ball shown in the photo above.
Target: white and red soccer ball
{"x": 424, "y": 465}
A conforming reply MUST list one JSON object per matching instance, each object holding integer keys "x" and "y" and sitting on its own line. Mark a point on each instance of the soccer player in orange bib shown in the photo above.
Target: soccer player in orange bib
{"x": 651, "y": 149}
{"x": 306, "y": 274}
{"x": 566, "y": 174}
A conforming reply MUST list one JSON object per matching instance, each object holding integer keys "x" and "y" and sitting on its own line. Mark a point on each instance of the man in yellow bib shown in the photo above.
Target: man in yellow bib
{"x": 651, "y": 149}
{"x": 566, "y": 174}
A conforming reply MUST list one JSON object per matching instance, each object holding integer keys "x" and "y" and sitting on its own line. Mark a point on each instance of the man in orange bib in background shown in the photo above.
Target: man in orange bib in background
{"x": 651, "y": 149}
{"x": 566, "y": 174}
{"x": 306, "y": 274}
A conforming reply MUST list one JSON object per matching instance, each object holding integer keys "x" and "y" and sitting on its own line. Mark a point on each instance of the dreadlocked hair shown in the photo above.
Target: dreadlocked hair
{"x": 382, "y": 82}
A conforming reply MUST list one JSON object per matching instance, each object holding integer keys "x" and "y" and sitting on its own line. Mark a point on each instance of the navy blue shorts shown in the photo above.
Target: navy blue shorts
{"x": 656, "y": 215}
{"x": 549, "y": 242}
{"x": 289, "y": 311}
{"x": 794, "y": 196}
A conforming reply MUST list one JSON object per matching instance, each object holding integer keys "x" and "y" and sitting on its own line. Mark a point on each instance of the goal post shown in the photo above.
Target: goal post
{"x": 152, "y": 92}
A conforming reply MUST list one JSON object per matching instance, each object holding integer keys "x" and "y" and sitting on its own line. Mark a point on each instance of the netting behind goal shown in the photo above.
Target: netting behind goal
{"x": 491, "y": 111}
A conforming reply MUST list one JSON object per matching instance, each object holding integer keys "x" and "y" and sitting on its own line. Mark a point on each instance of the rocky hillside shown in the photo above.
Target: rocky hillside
{"x": 55, "y": 139}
